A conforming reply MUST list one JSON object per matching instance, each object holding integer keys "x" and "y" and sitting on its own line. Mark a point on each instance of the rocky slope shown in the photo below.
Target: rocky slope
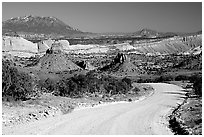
{"x": 56, "y": 61}
{"x": 120, "y": 65}
{"x": 85, "y": 65}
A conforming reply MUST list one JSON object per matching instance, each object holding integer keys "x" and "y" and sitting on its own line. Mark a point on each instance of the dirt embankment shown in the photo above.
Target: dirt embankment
{"x": 21, "y": 112}
{"x": 186, "y": 119}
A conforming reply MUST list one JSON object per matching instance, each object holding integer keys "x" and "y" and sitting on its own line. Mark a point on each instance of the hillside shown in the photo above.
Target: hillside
{"x": 121, "y": 65}
{"x": 170, "y": 45}
{"x": 56, "y": 61}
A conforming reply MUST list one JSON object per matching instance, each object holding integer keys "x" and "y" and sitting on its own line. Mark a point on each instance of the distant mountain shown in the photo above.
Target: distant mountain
{"x": 38, "y": 25}
{"x": 189, "y": 34}
{"x": 148, "y": 33}
{"x": 32, "y": 25}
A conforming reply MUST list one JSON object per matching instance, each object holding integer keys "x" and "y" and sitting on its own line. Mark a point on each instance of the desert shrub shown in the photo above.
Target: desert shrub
{"x": 60, "y": 89}
{"x": 181, "y": 77}
{"x": 196, "y": 79}
{"x": 79, "y": 85}
{"x": 164, "y": 78}
{"x": 145, "y": 80}
{"x": 15, "y": 85}
{"x": 116, "y": 85}
{"x": 48, "y": 84}
{"x": 127, "y": 80}
{"x": 6, "y": 75}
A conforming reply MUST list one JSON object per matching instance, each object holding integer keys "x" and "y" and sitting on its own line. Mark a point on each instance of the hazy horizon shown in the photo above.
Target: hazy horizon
{"x": 102, "y": 17}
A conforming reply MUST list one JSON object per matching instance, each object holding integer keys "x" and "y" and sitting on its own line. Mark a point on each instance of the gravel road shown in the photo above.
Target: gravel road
{"x": 145, "y": 117}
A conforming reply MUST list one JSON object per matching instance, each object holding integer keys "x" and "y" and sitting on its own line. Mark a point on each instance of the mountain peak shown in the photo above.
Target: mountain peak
{"x": 146, "y": 30}
{"x": 38, "y": 25}
{"x": 32, "y": 16}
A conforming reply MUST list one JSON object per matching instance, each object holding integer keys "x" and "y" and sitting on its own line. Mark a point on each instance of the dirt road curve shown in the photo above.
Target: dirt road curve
{"x": 144, "y": 117}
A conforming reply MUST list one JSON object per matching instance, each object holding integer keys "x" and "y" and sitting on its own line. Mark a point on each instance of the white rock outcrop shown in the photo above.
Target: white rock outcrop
{"x": 18, "y": 44}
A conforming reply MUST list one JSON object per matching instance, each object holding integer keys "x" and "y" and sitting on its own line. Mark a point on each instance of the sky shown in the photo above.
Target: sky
{"x": 103, "y": 17}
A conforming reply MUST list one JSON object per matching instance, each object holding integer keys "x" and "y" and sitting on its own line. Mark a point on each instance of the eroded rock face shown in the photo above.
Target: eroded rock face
{"x": 65, "y": 44}
{"x": 56, "y": 48}
{"x": 172, "y": 45}
{"x": 44, "y": 45}
{"x": 120, "y": 58}
{"x": 120, "y": 64}
{"x": 18, "y": 44}
{"x": 85, "y": 65}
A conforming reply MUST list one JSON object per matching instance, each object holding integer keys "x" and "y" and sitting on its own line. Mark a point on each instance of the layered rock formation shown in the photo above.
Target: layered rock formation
{"x": 85, "y": 65}
{"x": 42, "y": 47}
{"x": 170, "y": 45}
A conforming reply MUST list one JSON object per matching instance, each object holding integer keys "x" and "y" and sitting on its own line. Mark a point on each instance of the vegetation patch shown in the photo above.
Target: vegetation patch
{"x": 15, "y": 85}
{"x": 85, "y": 85}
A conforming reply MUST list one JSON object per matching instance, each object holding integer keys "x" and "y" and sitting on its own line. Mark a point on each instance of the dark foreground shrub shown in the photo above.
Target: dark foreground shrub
{"x": 181, "y": 77}
{"x": 196, "y": 79}
{"x": 91, "y": 83}
{"x": 164, "y": 78}
{"x": 15, "y": 85}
